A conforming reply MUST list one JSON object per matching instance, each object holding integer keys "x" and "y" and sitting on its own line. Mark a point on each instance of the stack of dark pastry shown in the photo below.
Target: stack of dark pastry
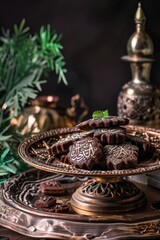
{"x": 102, "y": 143}
{"x": 48, "y": 200}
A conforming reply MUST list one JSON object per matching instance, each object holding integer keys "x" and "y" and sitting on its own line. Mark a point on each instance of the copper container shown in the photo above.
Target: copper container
{"x": 45, "y": 113}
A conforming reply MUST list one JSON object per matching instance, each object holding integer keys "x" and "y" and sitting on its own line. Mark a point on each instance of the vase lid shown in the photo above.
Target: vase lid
{"x": 140, "y": 44}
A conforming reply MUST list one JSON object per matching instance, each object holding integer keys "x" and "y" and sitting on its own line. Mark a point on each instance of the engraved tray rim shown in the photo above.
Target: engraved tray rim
{"x": 64, "y": 228}
{"x": 69, "y": 169}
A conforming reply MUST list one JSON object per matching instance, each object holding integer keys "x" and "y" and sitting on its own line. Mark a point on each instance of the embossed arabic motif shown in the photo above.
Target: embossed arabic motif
{"x": 123, "y": 151}
{"x": 34, "y": 152}
{"x": 148, "y": 228}
{"x": 84, "y": 149}
{"x": 12, "y": 215}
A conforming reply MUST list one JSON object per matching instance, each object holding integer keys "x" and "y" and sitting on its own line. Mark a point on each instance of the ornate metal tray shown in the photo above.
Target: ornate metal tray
{"x": 107, "y": 191}
{"x": 34, "y": 152}
{"x": 106, "y": 204}
{"x": 17, "y": 212}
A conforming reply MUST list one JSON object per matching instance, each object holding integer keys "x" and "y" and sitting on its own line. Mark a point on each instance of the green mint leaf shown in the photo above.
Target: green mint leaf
{"x": 105, "y": 113}
{"x": 97, "y": 114}
{"x": 100, "y": 114}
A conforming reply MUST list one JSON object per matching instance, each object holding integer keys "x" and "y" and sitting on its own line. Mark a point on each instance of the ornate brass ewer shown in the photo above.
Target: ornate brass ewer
{"x": 139, "y": 100}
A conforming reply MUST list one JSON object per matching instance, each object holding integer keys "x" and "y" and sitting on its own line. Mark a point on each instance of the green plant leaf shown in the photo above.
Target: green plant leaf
{"x": 2, "y": 180}
{"x": 25, "y": 58}
{"x": 4, "y": 154}
{"x": 97, "y": 114}
{"x": 105, "y": 113}
{"x": 5, "y": 167}
{"x": 100, "y": 114}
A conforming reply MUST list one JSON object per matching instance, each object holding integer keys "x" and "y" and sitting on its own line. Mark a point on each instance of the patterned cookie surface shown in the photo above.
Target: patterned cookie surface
{"x": 104, "y": 122}
{"x": 51, "y": 187}
{"x": 110, "y": 135}
{"x": 85, "y": 153}
{"x": 146, "y": 149}
{"x": 58, "y": 208}
{"x": 62, "y": 146}
{"x": 45, "y": 202}
{"x": 121, "y": 156}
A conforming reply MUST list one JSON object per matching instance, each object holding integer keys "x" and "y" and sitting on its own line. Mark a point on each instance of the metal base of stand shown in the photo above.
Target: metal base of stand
{"x": 100, "y": 196}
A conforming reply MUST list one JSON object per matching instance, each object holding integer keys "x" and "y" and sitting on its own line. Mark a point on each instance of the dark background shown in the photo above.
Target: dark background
{"x": 95, "y": 35}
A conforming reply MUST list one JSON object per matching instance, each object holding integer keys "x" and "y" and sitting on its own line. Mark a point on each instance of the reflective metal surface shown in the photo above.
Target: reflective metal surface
{"x": 34, "y": 152}
{"x": 139, "y": 100}
{"x": 107, "y": 192}
{"x": 97, "y": 197}
{"x": 18, "y": 214}
{"x": 46, "y": 113}
{"x": 140, "y": 43}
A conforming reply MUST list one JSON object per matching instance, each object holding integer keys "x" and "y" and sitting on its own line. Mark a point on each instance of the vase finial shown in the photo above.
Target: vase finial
{"x": 140, "y": 16}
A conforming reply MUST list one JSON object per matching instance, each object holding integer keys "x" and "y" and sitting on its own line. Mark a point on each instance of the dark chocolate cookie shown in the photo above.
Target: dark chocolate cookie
{"x": 45, "y": 202}
{"x": 110, "y": 135}
{"x": 146, "y": 149}
{"x": 62, "y": 146}
{"x": 104, "y": 122}
{"x": 51, "y": 187}
{"x": 58, "y": 208}
{"x": 121, "y": 156}
{"x": 85, "y": 153}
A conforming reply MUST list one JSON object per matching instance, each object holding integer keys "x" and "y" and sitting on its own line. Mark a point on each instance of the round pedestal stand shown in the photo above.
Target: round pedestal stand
{"x": 100, "y": 196}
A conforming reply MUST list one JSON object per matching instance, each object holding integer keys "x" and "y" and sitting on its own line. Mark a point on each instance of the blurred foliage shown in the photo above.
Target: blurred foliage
{"x": 25, "y": 60}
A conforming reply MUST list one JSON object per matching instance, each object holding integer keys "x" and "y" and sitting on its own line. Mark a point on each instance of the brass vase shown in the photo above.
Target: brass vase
{"x": 45, "y": 113}
{"x": 139, "y": 99}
